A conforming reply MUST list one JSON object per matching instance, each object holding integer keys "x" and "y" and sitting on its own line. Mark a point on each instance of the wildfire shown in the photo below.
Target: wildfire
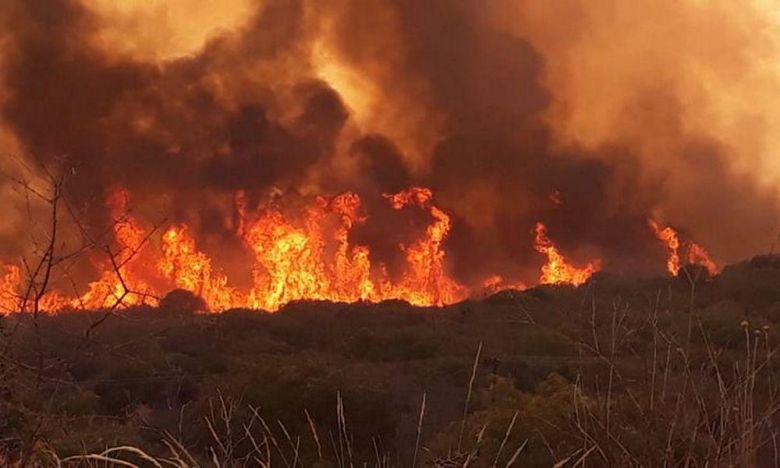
{"x": 9, "y": 287}
{"x": 191, "y": 270}
{"x": 121, "y": 282}
{"x": 301, "y": 252}
{"x": 557, "y": 270}
{"x": 496, "y": 283}
{"x": 697, "y": 255}
{"x": 669, "y": 237}
{"x": 425, "y": 282}
{"x": 304, "y": 254}
{"x": 312, "y": 258}
{"x": 293, "y": 259}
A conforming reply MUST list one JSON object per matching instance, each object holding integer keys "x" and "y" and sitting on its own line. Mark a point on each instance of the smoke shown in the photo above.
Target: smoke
{"x": 690, "y": 88}
{"x": 588, "y": 116}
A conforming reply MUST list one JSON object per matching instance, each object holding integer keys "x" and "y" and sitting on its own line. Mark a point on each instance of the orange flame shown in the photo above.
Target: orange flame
{"x": 351, "y": 264}
{"x": 697, "y": 255}
{"x": 10, "y": 283}
{"x": 302, "y": 252}
{"x": 191, "y": 270}
{"x": 313, "y": 259}
{"x": 557, "y": 270}
{"x": 426, "y": 281}
{"x": 669, "y": 237}
{"x": 12, "y": 291}
{"x": 109, "y": 290}
{"x": 495, "y": 283}
{"x": 307, "y": 260}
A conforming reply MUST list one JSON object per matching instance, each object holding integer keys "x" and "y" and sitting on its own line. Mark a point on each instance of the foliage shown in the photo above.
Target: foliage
{"x": 617, "y": 372}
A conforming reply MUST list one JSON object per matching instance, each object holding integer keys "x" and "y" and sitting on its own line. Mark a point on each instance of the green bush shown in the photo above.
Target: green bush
{"x": 400, "y": 346}
{"x": 540, "y": 341}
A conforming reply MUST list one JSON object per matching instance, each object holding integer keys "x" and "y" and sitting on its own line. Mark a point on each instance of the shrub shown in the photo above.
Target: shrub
{"x": 400, "y": 346}
{"x": 540, "y": 341}
{"x": 182, "y": 302}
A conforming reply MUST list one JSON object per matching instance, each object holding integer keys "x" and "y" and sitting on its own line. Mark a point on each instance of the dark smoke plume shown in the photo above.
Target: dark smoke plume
{"x": 478, "y": 103}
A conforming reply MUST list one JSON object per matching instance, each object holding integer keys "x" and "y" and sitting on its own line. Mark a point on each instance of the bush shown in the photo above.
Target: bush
{"x": 180, "y": 301}
{"x": 540, "y": 341}
{"x": 401, "y": 346}
{"x": 135, "y": 383}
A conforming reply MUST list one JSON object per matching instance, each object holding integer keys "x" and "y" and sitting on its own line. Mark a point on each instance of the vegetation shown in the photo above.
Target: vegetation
{"x": 618, "y": 372}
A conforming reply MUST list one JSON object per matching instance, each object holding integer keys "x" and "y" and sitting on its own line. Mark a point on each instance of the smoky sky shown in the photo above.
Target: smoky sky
{"x": 193, "y": 130}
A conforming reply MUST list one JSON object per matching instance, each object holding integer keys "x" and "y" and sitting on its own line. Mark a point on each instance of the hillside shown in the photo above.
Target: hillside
{"x": 615, "y": 372}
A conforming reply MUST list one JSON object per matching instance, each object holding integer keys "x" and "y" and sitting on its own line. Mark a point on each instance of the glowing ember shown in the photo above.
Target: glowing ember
{"x": 555, "y": 198}
{"x": 557, "y": 270}
{"x": 496, "y": 283}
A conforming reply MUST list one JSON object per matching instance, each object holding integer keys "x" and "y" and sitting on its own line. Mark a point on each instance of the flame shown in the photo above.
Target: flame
{"x": 191, "y": 270}
{"x": 120, "y": 283}
{"x": 557, "y": 270}
{"x": 12, "y": 294}
{"x": 10, "y": 283}
{"x": 306, "y": 254}
{"x": 293, "y": 260}
{"x": 669, "y": 237}
{"x": 426, "y": 281}
{"x": 308, "y": 259}
{"x": 351, "y": 264}
{"x": 301, "y": 251}
{"x": 697, "y": 255}
{"x": 495, "y": 283}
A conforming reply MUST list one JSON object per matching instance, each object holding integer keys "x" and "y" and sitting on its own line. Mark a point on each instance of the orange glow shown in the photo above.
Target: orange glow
{"x": 109, "y": 290}
{"x": 308, "y": 258}
{"x": 10, "y": 283}
{"x": 557, "y": 270}
{"x": 496, "y": 283}
{"x": 669, "y": 237}
{"x": 160, "y": 30}
{"x": 191, "y": 270}
{"x": 697, "y": 255}
{"x": 301, "y": 252}
{"x": 311, "y": 257}
{"x": 426, "y": 281}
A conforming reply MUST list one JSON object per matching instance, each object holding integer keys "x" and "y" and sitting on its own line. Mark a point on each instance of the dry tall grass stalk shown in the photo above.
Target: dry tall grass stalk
{"x": 468, "y": 396}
